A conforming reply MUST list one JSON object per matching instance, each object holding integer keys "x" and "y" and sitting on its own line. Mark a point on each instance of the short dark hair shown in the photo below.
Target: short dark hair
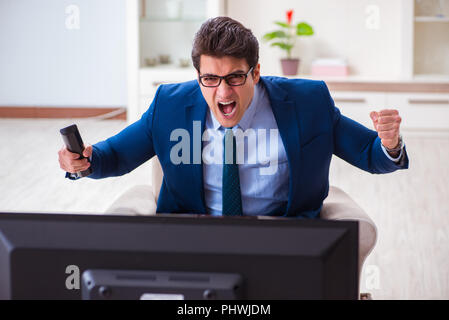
{"x": 223, "y": 36}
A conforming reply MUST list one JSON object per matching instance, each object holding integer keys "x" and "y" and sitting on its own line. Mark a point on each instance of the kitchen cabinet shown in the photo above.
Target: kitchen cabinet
{"x": 421, "y": 110}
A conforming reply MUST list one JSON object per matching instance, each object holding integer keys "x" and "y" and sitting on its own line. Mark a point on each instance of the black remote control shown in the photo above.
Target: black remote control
{"x": 74, "y": 143}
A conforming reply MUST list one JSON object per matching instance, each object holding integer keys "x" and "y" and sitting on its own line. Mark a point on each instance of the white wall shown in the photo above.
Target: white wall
{"x": 340, "y": 30}
{"x": 44, "y": 63}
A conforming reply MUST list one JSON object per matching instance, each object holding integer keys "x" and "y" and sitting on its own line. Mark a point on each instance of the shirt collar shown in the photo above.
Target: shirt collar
{"x": 248, "y": 116}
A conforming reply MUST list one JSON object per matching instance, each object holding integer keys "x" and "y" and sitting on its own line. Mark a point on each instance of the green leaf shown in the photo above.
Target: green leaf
{"x": 275, "y": 34}
{"x": 282, "y": 24}
{"x": 282, "y": 45}
{"x": 304, "y": 29}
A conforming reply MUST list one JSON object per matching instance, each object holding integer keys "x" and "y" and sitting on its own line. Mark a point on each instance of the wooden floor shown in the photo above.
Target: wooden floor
{"x": 410, "y": 208}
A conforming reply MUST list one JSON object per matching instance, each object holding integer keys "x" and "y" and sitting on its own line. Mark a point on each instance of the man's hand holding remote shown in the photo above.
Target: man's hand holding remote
{"x": 70, "y": 161}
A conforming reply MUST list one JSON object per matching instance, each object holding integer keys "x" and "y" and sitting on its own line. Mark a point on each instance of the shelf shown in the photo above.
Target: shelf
{"x": 167, "y": 68}
{"x": 431, "y": 19}
{"x": 438, "y": 78}
{"x": 165, "y": 19}
{"x": 416, "y": 79}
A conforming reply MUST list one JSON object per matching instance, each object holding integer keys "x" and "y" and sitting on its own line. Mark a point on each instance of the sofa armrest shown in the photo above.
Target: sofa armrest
{"x": 340, "y": 206}
{"x": 138, "y": 200}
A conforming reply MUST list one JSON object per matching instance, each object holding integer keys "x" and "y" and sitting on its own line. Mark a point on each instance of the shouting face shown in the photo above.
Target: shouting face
{"x": 228, "y": 97}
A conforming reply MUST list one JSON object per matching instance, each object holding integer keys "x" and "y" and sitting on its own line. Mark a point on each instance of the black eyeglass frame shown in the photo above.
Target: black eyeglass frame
{"x": 225, "y": 78}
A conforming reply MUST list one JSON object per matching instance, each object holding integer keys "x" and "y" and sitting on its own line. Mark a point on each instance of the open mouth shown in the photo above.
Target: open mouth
{"x": 227, "y": 108}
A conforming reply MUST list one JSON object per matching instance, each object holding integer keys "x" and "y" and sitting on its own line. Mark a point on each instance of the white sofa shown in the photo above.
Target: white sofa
{"x": 142, "y": 199}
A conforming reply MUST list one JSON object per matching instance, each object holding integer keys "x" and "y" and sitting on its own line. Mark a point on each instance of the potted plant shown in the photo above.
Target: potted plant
{"x": 285, "y": 39}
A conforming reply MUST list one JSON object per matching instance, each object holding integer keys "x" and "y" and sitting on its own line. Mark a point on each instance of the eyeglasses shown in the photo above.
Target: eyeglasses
{"x": 233, "y": 79}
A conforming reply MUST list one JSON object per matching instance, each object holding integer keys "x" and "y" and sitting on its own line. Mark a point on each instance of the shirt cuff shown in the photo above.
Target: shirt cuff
{"x": 72, "y": 176}
{"x": 390, "y": 157}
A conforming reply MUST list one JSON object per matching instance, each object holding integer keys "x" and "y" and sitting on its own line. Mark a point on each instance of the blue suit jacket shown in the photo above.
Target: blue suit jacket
{"x": 311, "y": 128}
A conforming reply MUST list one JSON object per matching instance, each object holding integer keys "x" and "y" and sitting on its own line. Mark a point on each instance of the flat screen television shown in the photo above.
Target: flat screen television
{"x": 75, "y": 256}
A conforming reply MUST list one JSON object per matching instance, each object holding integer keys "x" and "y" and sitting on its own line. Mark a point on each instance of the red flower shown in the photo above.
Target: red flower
{"x": 289, "y": 16}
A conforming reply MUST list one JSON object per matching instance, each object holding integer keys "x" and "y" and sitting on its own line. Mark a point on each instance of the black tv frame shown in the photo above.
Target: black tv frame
{"x": 278, "y": 258}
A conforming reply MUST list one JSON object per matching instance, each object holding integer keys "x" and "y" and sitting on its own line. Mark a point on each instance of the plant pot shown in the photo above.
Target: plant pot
{"x": 289, "y": 67}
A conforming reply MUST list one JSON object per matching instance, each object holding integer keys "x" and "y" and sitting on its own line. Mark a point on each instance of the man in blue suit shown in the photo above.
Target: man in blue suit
{"x": 235, "y": 143}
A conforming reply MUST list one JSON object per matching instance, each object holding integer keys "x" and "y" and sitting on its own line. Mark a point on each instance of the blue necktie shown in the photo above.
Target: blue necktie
{"x": 232, "y": 199}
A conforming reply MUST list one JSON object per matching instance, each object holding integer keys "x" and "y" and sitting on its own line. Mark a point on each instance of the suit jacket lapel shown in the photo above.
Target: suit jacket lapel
{"x": 287, "y": 120}
{"x": 196, "y": 111}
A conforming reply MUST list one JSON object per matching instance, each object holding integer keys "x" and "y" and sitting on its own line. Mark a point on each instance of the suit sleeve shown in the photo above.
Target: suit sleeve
{"x": 126, "y": 150}
{"x": 359, "y": 145}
